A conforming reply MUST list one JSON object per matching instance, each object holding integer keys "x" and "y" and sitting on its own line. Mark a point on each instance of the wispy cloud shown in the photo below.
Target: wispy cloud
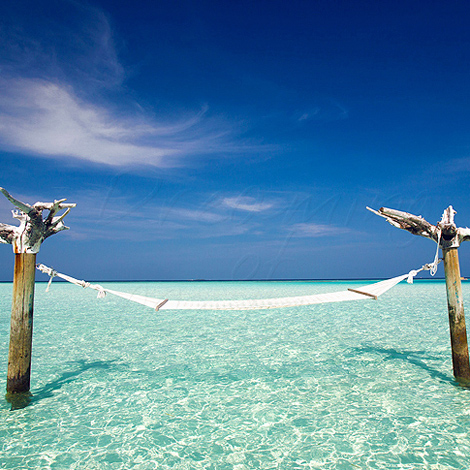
{"x": 197, "y": 215}
{"x": 55, "y": 101}
{"x": 63, "y": 40}
{"x": 315, "y": 230}
{"x": 246, "y": 203}
{"x": 325, "y": 111}
{"x": 459, "y": 166}
{"x": 96, "y": 217}
{"x": 48, "y": 119}
{"x": 100, "y": 216}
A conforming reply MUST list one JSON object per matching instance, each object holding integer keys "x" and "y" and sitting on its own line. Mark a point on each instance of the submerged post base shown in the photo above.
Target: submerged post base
{"x": 18, "y": 401}
{"x": 20, "y": 383}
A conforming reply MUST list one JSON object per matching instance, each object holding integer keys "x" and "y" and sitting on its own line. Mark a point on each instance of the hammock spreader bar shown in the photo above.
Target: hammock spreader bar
{"x": 364, "y": 293}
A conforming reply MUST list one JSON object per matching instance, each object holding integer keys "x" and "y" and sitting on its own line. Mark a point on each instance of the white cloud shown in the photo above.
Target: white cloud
{"x": 125, "y": 217}
{"x": 43, "y": 118}
{"x": 315, "y": 230}
{"x": 194, "y": 215}
{"x": 57, "y": 76}
{"x": 245, "y": 203}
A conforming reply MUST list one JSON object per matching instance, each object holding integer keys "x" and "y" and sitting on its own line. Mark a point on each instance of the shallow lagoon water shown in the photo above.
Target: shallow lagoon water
{"x": 353, "y": 385}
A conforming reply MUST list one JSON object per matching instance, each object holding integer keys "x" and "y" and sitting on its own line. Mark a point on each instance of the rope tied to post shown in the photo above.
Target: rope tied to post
{"x": 433, "y": 266}
{"x": 426, "y": 267}
{"x": 49, "y": 271}
{"x": 52, "y": 273}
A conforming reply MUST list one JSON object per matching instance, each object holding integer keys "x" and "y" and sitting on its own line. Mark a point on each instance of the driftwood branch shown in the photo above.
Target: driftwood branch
{"x": 444, "y": 232}
{"x": 33, "y": 229}
{"x": 409, "y": 222}
{"x": 23, "y": 207}
{"x": 7, "y": 233}
{"x": 464, "y": 234}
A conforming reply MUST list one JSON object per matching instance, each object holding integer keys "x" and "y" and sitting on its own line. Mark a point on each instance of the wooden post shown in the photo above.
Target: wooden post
{"x": 26, "y": 240}
{"x": 448, "y": 237}
{"x": 21, "y": 330}
{"x": 458, "y": 330}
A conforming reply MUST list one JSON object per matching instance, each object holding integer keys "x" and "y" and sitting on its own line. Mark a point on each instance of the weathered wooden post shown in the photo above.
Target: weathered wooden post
{"x": 448, "y": 237}
{"x": 26, "y": 240}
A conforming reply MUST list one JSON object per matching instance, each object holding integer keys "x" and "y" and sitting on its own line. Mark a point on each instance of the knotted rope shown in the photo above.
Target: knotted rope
{"x": 52, "y": 273}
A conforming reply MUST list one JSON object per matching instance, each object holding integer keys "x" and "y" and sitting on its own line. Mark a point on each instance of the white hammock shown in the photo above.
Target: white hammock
{"x": 371, "y": 291}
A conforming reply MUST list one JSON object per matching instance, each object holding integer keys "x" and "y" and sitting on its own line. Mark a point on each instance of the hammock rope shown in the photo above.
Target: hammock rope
{"x": 436, "y": 261}
{"x": 366, "y": 292}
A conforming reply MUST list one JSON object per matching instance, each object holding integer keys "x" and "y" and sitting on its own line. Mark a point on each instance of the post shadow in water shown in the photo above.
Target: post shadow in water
{"x": 22, "y": 400}
{"x": 412, "y": 357}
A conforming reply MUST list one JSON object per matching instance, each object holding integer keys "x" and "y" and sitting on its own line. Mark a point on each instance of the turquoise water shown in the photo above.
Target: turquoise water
{"x": 354, "y": 385}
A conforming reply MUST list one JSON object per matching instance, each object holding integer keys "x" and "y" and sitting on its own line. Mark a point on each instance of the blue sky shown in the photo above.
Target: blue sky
{"x": 235, "y": 140}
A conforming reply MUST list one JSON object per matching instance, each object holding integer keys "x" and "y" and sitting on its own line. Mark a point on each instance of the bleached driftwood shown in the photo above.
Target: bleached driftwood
{"x": 33, "y": 228}
{"x": 445, "y": 232}
{"x": 464, "y": 234}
